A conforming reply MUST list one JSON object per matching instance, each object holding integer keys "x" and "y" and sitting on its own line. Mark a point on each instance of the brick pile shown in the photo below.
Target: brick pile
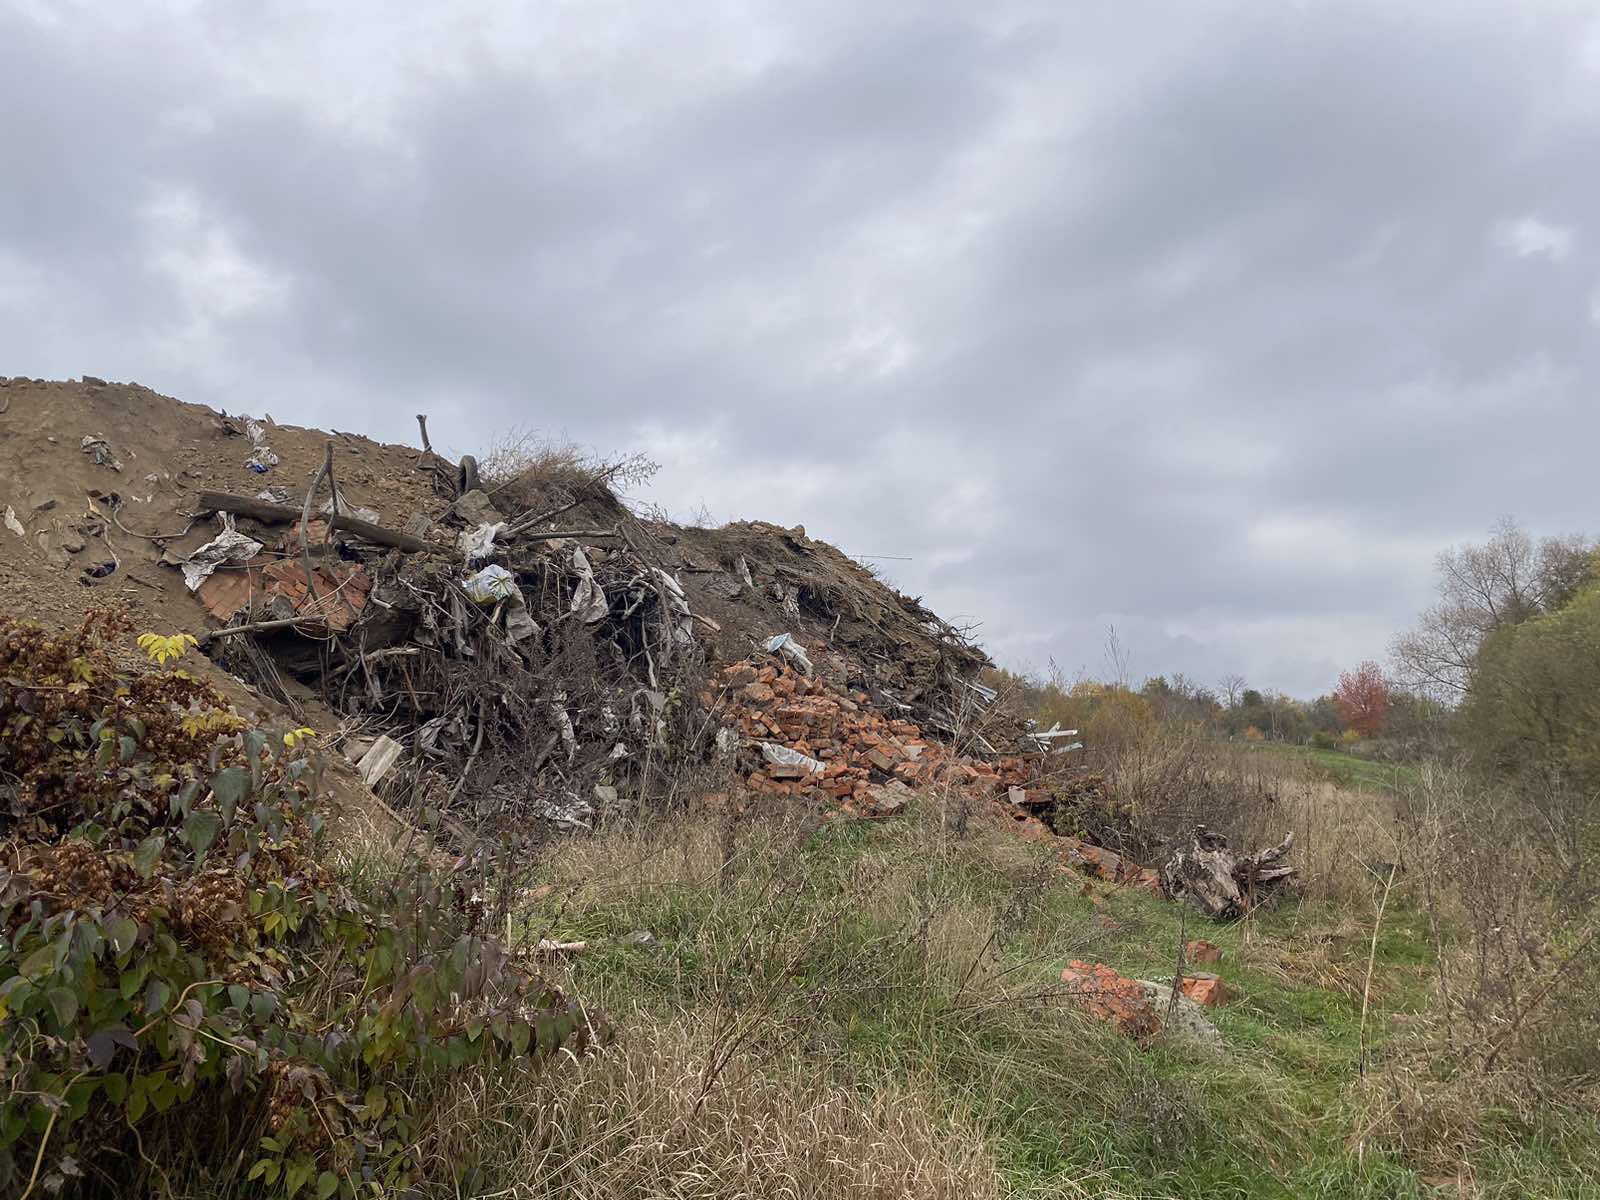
{"x": 870, "y": 764}
{"x": 1110, "y": 996}
{"x": 863, "y": 763}
{"x": 1132, "y": 1005}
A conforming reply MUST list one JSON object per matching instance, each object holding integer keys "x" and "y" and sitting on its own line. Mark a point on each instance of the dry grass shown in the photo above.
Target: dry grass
{"x": 634, "y": 1123}
{"x": 728, "y": 1080}
{"x": 1173, "y": 779}
{"x": 528, "y": 470}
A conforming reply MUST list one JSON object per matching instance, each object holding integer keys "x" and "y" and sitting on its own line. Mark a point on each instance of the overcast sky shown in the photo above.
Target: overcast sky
{"x": 1209, "y": 321}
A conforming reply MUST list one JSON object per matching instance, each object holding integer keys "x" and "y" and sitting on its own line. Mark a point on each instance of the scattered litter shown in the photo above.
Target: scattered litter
{"x": 785, "y": 645}
{"x": 1046, "y": 739}
{"x": 574, "y": 814}
{"x": 678, "y": 603}
{"x": 588, "y": 600}
{"x": 228, "y": 546}
{"x": 641, "y": 938}
{"x": 274, "y": 495}
{"x": 546, "y": 946}
{"x": 379, "y": 760}
{"x": 520, "y": 624}
{"x": 263, "y": 460}
{"x": 478, "y": 544}
{"x": 784, "y": 756}
{"x": 99, "y": 452}
{"x": 491, "y": 584}
{"x": 13, "y": 524}
{"x": 569, "y": 736}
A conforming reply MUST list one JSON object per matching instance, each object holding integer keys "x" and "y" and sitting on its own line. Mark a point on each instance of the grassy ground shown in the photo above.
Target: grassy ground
{"x": 1347, "y": 770}
{"x": 910, "y": 973}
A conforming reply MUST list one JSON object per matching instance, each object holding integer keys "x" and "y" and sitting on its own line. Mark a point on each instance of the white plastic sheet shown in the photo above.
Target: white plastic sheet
{"x": 785, "y": 645}
{"x": 228, "y": 546}
{"x": 478, "y": 544}
{"x": 588, "y": 598}
{"x": 775, "y": 753}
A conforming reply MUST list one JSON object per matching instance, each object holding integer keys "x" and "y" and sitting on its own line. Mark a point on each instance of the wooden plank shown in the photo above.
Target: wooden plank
{"x": 282, "y": 514}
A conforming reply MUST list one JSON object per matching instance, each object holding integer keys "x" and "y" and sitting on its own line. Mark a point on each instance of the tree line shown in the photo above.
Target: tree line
{"x": 1505, "y": 666}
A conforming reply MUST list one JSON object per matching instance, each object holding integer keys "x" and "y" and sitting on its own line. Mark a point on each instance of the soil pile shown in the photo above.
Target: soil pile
{"x": 496, "y": 649}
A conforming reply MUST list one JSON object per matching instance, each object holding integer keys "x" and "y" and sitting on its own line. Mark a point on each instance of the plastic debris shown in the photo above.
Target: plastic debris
{"x": 792, "y": 650}
{"x": 569, "y": 736}
{"x": 13, "y": 524}
{"x": 99, "y": 452}
{"x": 351, "y": 510}
{"x": 520, "y": 624}
{"x": 786, "y": 757}
{"x": 380, "y": 760}
{"x": 588, "y": 599}
{"x": 683, "y": 628}
{"x": 574, "y": 814}
{"x": 228, "y": 546}
{"x": 478, "y": 544}
{"x": 491, "y": 584}
{"x": 263, "y": 459}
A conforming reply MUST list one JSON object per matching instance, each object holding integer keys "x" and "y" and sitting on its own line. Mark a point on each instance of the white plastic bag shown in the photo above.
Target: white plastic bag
{"x": 491, "y": 584}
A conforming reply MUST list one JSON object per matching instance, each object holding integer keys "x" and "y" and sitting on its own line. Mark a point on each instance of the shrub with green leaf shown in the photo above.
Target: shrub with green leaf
{"x": 172, "y": 946}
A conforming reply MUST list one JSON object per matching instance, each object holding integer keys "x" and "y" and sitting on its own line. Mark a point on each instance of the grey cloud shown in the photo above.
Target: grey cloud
{"x": 1198, "y": 323}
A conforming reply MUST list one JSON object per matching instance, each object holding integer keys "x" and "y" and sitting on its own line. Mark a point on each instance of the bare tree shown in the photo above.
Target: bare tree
{"x": 1117, "y": 658}
{"x": 1232, "y": 687}
{"x": 1505, "y": 581}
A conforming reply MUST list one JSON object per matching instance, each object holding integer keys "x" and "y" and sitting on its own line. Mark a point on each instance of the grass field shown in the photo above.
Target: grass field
{"x": 891, "y": 992}
{"x": 1347, "y": 770}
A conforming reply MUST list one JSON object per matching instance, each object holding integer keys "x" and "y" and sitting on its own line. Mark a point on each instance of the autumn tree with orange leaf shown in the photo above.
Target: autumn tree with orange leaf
{"x": 1363, "y": 699}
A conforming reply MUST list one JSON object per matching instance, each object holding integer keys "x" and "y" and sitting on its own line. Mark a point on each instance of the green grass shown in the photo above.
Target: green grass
{"x": 1346, "y": 769}
{"x": 885, "y": 952}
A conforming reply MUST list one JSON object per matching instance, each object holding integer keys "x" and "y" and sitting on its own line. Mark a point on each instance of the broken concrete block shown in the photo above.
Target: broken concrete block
{"x": 475, "y": 508}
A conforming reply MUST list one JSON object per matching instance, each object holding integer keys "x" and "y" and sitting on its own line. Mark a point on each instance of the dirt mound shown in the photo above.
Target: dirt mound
{"x": 97, "y": 516}
{"x": 524, "y": 647}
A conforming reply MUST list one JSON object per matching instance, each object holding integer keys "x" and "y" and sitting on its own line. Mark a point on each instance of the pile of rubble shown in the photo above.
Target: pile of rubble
{"x": 808, "y": 738}
{"x": 501, "y": 651}
{"x": 1144, "y": 1009}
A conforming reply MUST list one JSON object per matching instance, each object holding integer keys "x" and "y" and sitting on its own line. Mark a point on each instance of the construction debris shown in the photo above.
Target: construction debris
{"x": 1107, "y": 864}
{"x": 1205, "y": 989}
{"x": 261, "y": 510}
{"x": 99, "y": 452}
{"x": 1205, "y": 873}
{"x": 228, "y": 546}
{"x": 537, "y": 651}
{"x": 1142, "y": 1009}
